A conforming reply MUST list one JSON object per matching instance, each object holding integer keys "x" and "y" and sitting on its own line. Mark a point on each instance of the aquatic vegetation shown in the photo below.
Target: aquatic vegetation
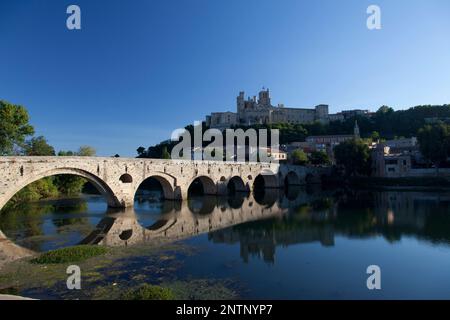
{"x": 71, "y": 254}
{"x": 203, "y": 289}
{"x": 149, "y": 292}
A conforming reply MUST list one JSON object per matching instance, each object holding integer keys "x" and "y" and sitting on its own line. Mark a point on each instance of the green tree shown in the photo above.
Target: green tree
{"x": 140, "y": 151}
{"x": 71, "y": 185}
{"x": 14, "y": 127}
{"x": 434, "y": 142}
{"x": 319, "y": 158}
{"x": 165, "y": 154}
{"x": 65, "y": 153}
{"x": 86, "y": 151}
{"x": 354, "y": 157}
{"x": 38, "y": 146}
{"x": 375, "y": 136}
{"x": 43, "y": 188}
{"x": 384, "y": 110}
{"x": 299, "y": 157}
{"x": 83, "y": 151}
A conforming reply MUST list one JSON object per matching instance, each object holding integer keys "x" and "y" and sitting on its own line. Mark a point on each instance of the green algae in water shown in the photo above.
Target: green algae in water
{"x": 71, "y": 254}
{"x": 202, "y": 289}
{"x": 149, "y": 292}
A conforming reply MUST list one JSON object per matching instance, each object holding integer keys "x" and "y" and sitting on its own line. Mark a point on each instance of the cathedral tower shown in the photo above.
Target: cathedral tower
{"x": 264, "y": 98}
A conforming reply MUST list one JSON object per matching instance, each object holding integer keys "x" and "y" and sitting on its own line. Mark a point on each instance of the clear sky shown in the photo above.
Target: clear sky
{"x": 139, "y": 69}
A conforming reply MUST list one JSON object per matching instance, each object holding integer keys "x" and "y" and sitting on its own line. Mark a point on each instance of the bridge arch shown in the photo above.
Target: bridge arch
{"x": 203, "y": 185}
{"x": 236, "y": 184}
{"x": 202, "y": 206}
{"x": 291, "y": 179}
{"x": 163, "y": 181}
{"x": 265, "y": 180}
{"x": 309, "y": 178}
{"x": 96, "y": 181}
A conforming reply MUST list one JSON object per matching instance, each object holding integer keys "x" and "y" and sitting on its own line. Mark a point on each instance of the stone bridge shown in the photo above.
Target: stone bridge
{"x": 119, "y": 178}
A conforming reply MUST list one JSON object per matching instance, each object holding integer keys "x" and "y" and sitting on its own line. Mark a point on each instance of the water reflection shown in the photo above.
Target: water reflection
{"x": 259, "y": 223}
{"x": 186, "y": 219}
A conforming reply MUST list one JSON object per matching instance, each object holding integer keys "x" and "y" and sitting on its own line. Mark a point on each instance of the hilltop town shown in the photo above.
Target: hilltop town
{"x": 259, "y": 110}
{"x": 388, "y": 142}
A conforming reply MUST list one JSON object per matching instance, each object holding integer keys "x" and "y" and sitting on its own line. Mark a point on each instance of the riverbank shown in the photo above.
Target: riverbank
{"x": 11, "y": 297}
{"x": 252, "y": 256}
{"x": 401, "y": 184}
{"x": 112, "y": 273}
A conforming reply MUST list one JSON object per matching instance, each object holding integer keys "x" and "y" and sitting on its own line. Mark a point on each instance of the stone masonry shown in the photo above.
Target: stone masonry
{"x": 119, "y": 178}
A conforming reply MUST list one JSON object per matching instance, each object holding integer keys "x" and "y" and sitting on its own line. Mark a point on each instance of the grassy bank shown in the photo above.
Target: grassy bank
{"x": 71, "y": 254}
{"x": 131, "y": 273}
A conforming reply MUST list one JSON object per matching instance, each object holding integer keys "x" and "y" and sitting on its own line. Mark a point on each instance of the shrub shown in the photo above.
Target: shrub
{"x": 149, "y": 292}
{"x": 71, "y": 254}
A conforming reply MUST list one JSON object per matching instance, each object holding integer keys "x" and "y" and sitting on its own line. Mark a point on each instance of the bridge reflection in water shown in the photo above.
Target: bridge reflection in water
{"x": 260, "y": 222}
{"x": 198, "y": 215}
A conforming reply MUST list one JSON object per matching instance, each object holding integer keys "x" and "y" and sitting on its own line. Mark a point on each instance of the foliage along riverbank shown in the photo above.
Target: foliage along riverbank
{"x": 412, "y": 183}
{"x": 17, "y": 139}
{"x": 136, "y": 273}
{"x": 49, "y": 188}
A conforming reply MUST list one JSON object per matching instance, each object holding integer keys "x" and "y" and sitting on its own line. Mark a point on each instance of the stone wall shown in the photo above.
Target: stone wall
{"x": 119, "y": 178}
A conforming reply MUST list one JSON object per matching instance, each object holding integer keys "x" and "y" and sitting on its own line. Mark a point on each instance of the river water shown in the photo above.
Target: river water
{"x": 299, "y": 244}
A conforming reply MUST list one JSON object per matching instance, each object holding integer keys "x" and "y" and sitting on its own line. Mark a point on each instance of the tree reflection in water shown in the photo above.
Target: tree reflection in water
{"x": 258, "y": 221}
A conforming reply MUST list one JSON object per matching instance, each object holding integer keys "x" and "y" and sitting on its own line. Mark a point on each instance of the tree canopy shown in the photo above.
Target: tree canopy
{"x": 434, "y": 141}
{"x": 83, "y": 151}
{"x": 319, "y": 158}
{"x": 354, "y": 157}
{"x": 86, "y": 151}
{"x": 38, "y": 146}
{"x": 381, "y": 125}
{"x": 299, "y": 157}
{"x": 14, "y": 128}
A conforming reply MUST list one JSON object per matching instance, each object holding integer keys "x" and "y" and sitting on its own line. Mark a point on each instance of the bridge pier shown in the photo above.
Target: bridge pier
{"x": 222, "y": 189}
{"x": 117, "y": 179}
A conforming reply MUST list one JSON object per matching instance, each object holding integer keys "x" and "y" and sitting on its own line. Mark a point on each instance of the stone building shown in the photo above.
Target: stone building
{"x": 222, "y": 120}
{"x": 401, "y": 158}
{"x": 391, "y": 165}
{"x": 327, "y": 143}
{"x": 259, "y": 110}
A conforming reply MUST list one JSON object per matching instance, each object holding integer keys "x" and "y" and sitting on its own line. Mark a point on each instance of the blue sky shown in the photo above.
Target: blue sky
{"x": 139, "y": 69}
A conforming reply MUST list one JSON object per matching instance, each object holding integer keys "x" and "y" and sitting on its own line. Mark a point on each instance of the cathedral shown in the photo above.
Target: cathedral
{"x": 259, "y": 110}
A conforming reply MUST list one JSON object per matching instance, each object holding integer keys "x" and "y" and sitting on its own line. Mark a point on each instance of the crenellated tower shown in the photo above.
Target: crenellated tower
{"x": 264, "y": 98}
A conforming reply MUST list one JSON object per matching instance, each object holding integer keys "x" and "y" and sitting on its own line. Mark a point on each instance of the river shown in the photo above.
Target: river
{"x": 300, "y": 244}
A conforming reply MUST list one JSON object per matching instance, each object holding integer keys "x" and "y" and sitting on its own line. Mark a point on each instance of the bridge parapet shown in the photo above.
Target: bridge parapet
{"x": 119, "y": 178}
